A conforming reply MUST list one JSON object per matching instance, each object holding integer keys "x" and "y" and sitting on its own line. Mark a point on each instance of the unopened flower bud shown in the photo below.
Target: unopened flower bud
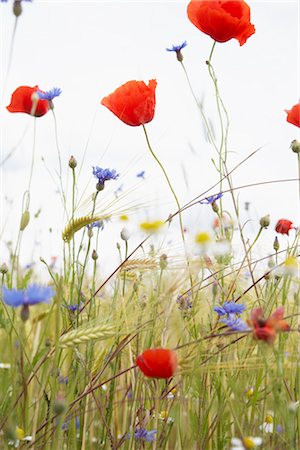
{"x": 276, "y": 244}
{"x": 215, "y": 289}
{"x": 163, "y": 261}
{"x": 295, "y": 146}
{"x": 24, "y": 220}
{"x": 265, "y": 221}
{"x": 17, "y": 8}
{"x": 3, "y": 268}
{"x": 118, "y": 246}
{"x": 72, "y": 162}
{"x": 125, "y": 235}
{"x": 90, "y": 232}
{"x": 94, "y": 255}
{"x": 25, "y": 313}
{"x": 59, "y": 406}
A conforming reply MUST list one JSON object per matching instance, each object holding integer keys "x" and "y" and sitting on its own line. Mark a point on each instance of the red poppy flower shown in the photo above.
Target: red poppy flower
{"x": 133, "y": 102}
{"x": 283, "y": 226}
{"x": 293, "y": 115}
{"x": 26, "y": 100}
{"x": 265, "y": 329}
{"x": 158, "y": 363}
{"x": 222, "y": 20}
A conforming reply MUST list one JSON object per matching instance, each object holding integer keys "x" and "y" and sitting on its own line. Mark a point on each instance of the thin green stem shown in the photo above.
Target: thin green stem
{"x": 175, "y": 198}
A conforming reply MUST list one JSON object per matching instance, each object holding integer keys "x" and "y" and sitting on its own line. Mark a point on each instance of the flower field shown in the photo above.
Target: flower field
{"x": 129, "y": 319}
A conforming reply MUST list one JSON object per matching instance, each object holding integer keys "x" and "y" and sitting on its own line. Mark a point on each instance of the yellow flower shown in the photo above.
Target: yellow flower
{"x": 203, "y": 238}
{"x": 124, "y": 217}
{"x": 20, "y": 434}
{"x": 151, "y": 227}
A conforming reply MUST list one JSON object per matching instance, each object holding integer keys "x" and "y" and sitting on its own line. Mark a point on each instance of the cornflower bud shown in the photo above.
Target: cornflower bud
{"x": 72, "y": 162}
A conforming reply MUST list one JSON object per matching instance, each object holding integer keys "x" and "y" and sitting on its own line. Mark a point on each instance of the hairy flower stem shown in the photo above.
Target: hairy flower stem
{"x": 11, "y": 51}
{"x": 176, "y": 201}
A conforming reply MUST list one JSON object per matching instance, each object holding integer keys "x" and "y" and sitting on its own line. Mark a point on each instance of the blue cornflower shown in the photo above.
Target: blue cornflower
{"x": 229, "y": 308}
{"x": 177, "y": 49}
{"x": 235, "y": 323}
{"x": 32, "y": 295}
{"x": 99, "y": 224}
{"x": 145, "y": 435}
{"x": 50, "y": 95}
{"x": 73, "y": 307}
{"x": 141, "y": 174}
{"x": 104, "y": 175}
{"x": 210, "y": 200}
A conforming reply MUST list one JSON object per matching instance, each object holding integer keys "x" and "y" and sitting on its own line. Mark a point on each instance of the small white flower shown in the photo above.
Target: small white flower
{"x": 4, "y": 365}
{"x": 246, "y": 443}
{"x": 268, "y": 425}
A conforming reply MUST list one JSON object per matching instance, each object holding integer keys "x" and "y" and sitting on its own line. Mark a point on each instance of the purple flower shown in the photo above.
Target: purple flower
{"x": 210, "y": 200}
{"x": 99, "y": 224}
{"x": 177, "y": 48}
{"x": 229, "y": 308}
{"x": 104, "y": 175}
{"x": 49, "y": 95}
{"x": 235, "y": 323}
{"x": 141, "y": 174}
{"x": 32, "y": 295}
{"x": 145, "y": 435}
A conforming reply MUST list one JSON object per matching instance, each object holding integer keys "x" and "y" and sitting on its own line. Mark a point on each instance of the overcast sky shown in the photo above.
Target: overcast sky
{"x": 88, "y": 49}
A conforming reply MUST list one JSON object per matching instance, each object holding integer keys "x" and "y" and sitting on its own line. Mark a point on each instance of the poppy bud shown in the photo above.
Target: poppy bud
{"x": 276, "y": 244}
{"x": 17, "y": 8}
{"x": 59, "y": 406}
{"x": 3, "y": 268}
{"x": 163, "y": 261}
{"x": 94, "y": 255}
{"x": 295, "y": 146}
{"x": 72, "y": 162}
{"x": 24, "y": 220}
{"x": 265, "y": 221}
{"x": 158, "y": 363}
{"x": 125, "y": 235}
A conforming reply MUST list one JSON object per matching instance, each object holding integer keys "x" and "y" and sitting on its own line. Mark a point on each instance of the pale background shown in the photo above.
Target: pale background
{"x": 88, "y": 49}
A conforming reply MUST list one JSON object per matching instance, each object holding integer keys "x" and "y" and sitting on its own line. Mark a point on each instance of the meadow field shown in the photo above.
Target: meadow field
{"x": 149, "y": 225}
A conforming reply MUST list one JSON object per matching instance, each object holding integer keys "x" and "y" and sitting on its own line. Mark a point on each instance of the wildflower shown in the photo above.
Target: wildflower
{"x": 49, "y": 95}
{"x": 249, "y": 392}
{"x": 158, "y": 363}
{"x": 235, "y": 323}
{"x": 151, "y": 227}
{"x": 268, "y": 425}
{"x": 104, "y": 175}
{"x": 203, "y": 238}
{"x": 73, "y": 307}
{"x": 124, "y": 218}
{"x": 185, "y": 304}
{"x": 290, "y": 267}
{"x": 222, "y": 20}
{"x": 210, "y": 200}
{"x": 141, "y": 174}
{"x": 133, "y": 102}
{"x": 283, "y": 226}
{"x": 164, "y": 416}
{"x": 19, "y": 435}
{"x": 265, "y": 329}
{"x": 245, "y": 443}
{"x": 4, "y": 365}
{"x": 229, "y": 308}
{"x": 98, "y": 224}
{"x": 32, "y": 295}
{"x": 144, "y": 435}
{"x": 293, "y": 115}
{"x": 177, "y": 49}
{"x": 26, "y": 99}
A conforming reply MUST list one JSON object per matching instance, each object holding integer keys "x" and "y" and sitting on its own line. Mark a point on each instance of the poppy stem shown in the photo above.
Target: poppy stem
{"x": 175, "y": 198}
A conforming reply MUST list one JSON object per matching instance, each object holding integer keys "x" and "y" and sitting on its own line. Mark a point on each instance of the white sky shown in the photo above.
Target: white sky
{"x": 88, "y": 49}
